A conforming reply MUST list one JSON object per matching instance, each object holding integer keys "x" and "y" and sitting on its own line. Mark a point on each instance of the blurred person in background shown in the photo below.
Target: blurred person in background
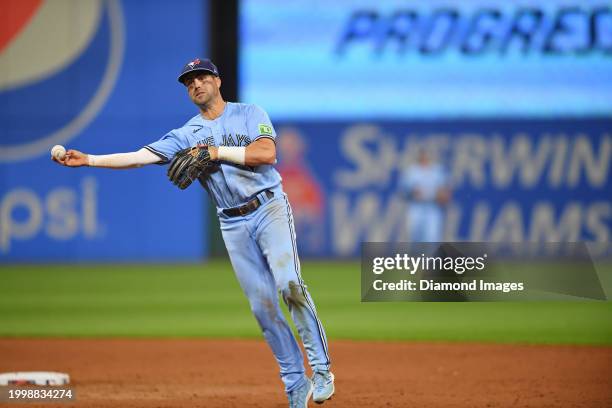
{"x": 303, "y": 189}
{"x": 425, "y": 185}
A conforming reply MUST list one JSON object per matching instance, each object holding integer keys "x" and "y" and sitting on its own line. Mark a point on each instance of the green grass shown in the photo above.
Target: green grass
{"x": 206, "y": 300}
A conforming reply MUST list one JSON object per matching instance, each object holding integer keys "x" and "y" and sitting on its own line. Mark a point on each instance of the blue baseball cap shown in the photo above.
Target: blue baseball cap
{"x": 198, "y": 65}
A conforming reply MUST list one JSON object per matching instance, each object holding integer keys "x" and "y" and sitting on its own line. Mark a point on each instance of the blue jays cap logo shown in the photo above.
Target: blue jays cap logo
{"x": 56, "y": 72}
{"x": 193, "y": 63}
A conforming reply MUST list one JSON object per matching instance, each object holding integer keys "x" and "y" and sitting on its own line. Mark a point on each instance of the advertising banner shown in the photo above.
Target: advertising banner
{"x": 100, "y": 77}
{"x": 427, "y": 59}
{"x": 508, "y": 181}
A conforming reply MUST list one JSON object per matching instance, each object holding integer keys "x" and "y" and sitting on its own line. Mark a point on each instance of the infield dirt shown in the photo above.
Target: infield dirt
{"x": 132, "y": 373}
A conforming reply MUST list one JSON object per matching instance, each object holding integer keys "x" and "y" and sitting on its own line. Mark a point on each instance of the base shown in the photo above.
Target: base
{"x": 34, "y": 378}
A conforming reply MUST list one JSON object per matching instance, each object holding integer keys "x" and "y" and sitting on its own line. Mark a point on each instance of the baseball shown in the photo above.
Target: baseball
{"x": 58, "y": 151}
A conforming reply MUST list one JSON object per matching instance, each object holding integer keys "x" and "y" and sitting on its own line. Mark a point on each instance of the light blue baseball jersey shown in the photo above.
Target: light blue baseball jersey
{"x": 239, "y": 125}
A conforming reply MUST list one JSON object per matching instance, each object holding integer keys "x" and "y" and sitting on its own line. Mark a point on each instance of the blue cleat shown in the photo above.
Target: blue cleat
{"x": 298, "y": 398}
{"x": 323, "y": 386}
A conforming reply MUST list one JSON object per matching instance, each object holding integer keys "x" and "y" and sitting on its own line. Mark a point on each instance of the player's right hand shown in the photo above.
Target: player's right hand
{"x": 73, "y": 158}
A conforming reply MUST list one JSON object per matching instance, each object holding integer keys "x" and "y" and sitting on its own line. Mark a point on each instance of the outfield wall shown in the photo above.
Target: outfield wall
{"x": 107, "y": 84}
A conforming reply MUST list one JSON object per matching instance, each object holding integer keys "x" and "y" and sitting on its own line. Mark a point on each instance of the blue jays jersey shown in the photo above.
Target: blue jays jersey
{"x": 239, "y": 125}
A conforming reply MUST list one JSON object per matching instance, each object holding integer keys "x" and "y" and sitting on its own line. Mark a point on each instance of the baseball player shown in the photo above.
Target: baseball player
{"x": 426, "y": 186}
{"x": 254, "y": 213}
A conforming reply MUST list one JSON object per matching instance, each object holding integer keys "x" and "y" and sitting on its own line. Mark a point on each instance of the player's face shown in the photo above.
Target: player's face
{"x": 202, "y": 87}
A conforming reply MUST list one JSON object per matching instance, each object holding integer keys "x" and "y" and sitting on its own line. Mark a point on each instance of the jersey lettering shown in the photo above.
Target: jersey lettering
{"x": 239, "y": 140}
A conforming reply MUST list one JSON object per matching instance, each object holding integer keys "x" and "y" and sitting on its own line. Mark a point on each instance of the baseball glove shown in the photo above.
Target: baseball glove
{"x": 188, "y": 165}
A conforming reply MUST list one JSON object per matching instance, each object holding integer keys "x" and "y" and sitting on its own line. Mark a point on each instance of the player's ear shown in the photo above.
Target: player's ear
{"x": 218, "y": 81}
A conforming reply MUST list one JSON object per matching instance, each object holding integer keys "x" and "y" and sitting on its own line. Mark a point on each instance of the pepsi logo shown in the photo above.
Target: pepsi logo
{"x": 59, "y": 62}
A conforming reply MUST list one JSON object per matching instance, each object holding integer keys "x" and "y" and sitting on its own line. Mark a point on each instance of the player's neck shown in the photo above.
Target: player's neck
{"x": 213, "y": 110}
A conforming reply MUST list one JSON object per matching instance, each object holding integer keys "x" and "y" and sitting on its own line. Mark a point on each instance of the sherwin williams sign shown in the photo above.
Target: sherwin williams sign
{"x": 512, "y": 181}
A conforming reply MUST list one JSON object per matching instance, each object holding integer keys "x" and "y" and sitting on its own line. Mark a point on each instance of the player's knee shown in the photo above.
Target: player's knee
{"x": 293, "y": 293}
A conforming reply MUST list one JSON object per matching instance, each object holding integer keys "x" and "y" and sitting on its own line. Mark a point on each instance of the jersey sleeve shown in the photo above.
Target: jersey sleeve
{"x": 259, "y": 124}
{"x": 166, "y": 147}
